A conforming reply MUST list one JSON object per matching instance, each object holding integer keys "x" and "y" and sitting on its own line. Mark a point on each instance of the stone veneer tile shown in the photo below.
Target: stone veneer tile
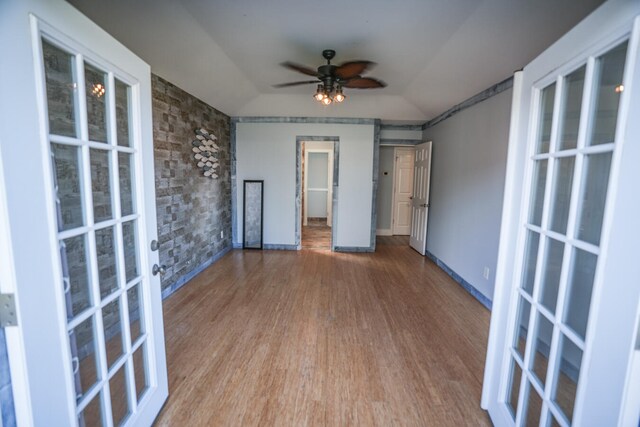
{"x": 191, "y": 209}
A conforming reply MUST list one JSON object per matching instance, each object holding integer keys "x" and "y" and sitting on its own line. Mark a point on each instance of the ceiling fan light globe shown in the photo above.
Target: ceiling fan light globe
{"x": 339, "y": 97}
{"x": 326, "y": 100}
{"x": 319, "y": 95}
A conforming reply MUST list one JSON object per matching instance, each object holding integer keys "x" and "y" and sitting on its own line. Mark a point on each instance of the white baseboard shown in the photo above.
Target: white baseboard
{"x": 384, "y": 232}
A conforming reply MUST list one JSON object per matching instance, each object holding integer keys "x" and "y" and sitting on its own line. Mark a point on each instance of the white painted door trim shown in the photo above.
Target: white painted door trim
{"x": 397, "y": 150}
{"x": 13, "y": 334}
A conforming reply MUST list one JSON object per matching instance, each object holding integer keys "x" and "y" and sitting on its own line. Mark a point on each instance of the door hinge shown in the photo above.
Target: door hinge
{"x": 8, "y": 311}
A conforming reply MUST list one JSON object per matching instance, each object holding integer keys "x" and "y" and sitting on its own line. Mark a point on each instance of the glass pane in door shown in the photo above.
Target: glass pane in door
{"x": 540, "y": 181}
{"x": 551, "y": 270}
{"x": 593, "y": 196}
{"x": 541, "y": 348}
{"x": 546, "y": 116}
{"x": 136, "y": 326}
{"x": 101, "y": 184}
{"x": 62, "y": 86}
{"x": 112, "y": 321}
{"x": 123, "y": 99}
{"x": 610, "y": 71}
{"x": 580, "y": 286}
{"x": 126, "y": 183}
{"x": 119, "y": 397}
{"x": 141, "y": 371}
{"x": 107, "y": 267}
{"x": 66, "y": 166}
{"x": 566, "y": 378}
{"x": 562, "y": 194}
{"x": 572, "y": 103}
{"x": 514, "y": 387}
{"x": 85, "y": 357}
{"x": 75, "y": 275}
{"x": 533, "y": 407}
{"x": 96, "y": 92}
{"x": 91, "y": 415}
{"x": 530, "y": 260}
{"x": 524, "y": 311}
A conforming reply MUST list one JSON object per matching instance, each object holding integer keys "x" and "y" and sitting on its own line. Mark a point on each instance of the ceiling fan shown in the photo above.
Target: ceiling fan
{"x": 331, "y": 79}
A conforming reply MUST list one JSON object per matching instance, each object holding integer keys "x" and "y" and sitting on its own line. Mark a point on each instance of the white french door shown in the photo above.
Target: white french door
{"x": 420, "y": 200}
{"x": 90, "y": 312}
{"x": 567, "y": 292}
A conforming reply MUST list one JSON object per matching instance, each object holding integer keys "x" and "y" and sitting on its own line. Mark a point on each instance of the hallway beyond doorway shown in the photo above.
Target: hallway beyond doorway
{"x": 316, "y": 234}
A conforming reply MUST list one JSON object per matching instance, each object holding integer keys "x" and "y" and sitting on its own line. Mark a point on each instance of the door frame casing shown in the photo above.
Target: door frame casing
{"x": 334, "y": 191}
{"x": 614, "y": 20}
{"x": 396, "y": 150}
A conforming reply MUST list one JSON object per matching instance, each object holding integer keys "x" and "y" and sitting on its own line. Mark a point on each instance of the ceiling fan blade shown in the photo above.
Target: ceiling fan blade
{"x": 352, "y": 69}
{"x": 300, "y": 68}
{"x": 364, "y": 83}
{"x": 306, "y": 82}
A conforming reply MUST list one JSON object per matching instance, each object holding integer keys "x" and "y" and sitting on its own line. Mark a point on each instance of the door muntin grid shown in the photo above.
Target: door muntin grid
{"x": 93, "y": 154}
{"x": 570, "y": 167}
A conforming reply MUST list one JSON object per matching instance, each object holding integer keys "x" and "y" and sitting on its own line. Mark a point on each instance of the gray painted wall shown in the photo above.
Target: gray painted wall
{"x": 385, "y": 188}
{"x": 267, "y": 151}
{"x": 318, "y": 177}
{"x": 467, "y": 183}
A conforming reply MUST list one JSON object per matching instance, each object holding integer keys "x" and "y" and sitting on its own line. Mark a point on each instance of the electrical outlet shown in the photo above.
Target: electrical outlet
{"x": 485, "y": 273}
{"x": 222, "y": 234}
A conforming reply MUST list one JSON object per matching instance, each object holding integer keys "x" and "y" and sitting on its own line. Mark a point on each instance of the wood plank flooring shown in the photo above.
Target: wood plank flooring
{"x": 292, "y": 338}
{"x": 316, "y": 235}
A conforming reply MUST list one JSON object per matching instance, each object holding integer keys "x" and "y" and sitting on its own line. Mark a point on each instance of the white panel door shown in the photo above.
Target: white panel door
{"x": 566, "y": 302}
{"x": 402, "y": 191}
{"x": 420, "y": 201}
{"x": 78, "y": 157}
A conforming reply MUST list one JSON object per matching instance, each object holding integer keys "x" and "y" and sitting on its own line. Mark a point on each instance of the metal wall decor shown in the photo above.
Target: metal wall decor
{"x": 206, "y": 152}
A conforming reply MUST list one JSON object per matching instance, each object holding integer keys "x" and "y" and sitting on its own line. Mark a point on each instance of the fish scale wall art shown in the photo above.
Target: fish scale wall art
{"x": 206, "y": 151}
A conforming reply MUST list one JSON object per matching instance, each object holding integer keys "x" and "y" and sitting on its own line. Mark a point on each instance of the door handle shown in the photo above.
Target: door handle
{"x": 410, "y": 197}
{"x": 161, "y": 269}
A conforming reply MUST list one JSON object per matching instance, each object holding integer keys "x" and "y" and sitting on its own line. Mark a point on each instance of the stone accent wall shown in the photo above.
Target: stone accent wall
{"x": 192, "y": 210}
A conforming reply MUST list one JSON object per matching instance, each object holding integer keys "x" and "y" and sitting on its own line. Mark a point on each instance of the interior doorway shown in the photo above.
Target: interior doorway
{"x": 402, "y": 191}
{"x": 317, "y": 170}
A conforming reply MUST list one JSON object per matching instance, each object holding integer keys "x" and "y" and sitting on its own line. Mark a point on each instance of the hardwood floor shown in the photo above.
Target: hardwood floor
{"x": 293, "y": 338}
{"x": 316, "y": 235}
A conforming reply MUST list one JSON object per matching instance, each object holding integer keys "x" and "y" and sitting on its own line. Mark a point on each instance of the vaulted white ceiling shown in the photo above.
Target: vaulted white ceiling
{"x": 432, "y": 54}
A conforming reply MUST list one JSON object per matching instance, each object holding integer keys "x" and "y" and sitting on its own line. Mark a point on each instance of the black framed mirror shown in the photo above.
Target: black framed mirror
{"x": 252, "y": 214}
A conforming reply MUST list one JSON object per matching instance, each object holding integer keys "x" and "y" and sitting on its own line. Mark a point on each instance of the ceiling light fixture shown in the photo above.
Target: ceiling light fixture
{"x": 326, "y": 94}
{"x": 331, "y": 79}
